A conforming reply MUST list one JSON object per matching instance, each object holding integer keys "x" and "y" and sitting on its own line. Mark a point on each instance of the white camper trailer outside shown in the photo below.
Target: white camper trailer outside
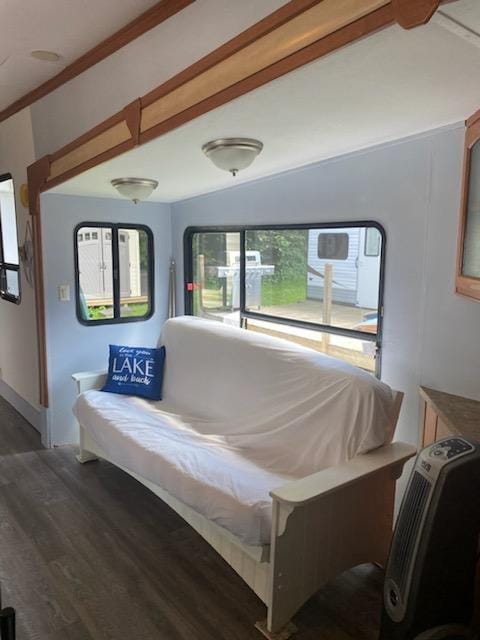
{"x": 354, "y": 254}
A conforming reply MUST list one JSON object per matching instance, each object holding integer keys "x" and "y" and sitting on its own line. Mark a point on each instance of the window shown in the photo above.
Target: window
{"x": 114, "y": 273}
{"x": 317, "y": 285}
{"x": 9, "y": 259}
{"x": 373, "y": 242}
{"x": 332, "y": 246}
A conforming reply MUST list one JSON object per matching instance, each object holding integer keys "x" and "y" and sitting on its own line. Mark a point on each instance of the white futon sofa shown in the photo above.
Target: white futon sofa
{"x": 280, "y": 457}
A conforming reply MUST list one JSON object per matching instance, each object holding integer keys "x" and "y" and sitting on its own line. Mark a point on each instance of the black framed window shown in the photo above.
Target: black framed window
{"x": 114, "y": 268}
{"x": 373, "y": 243}
{"x": 333, "y": 246}
{"x": 320, "y": 285}
{"x": 9, "y": 257}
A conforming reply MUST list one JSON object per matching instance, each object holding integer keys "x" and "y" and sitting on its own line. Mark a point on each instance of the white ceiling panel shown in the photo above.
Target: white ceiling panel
{"x": 25, "y": 70}
{"x": 465, "y": 12}
{"x": 393, "y": 84}
{"x": 8, "y": 93}
{"x": 67, "y": 27}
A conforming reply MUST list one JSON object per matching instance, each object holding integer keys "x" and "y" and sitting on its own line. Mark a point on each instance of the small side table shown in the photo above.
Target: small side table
{"x": 445, "y": 414}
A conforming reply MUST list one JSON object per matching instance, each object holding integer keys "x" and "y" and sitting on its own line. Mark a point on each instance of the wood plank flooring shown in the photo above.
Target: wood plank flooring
{"x": 87, "y": 553}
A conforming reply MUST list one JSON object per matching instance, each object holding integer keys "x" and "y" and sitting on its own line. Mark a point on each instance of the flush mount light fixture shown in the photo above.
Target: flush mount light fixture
{"x": 232, "y": 154}
{"x": 135, "y": 189}
{"x": 45, "y": 56}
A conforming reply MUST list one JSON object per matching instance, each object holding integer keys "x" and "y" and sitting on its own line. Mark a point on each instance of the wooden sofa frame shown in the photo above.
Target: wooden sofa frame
{"x": 322, "y": 524}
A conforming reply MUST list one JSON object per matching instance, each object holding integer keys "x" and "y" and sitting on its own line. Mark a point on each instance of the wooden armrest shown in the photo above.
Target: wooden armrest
{"x": 319, "y": 484}
{"x": 89, "y": 380}
{"x": 85, "y": 375}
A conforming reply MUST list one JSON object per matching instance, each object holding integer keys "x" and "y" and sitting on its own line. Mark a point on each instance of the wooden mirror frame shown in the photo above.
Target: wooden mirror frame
{"x": 467, "y": 286}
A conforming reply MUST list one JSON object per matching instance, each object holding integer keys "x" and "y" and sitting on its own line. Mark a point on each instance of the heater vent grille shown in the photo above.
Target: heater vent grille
{"x": 406, "y": 537}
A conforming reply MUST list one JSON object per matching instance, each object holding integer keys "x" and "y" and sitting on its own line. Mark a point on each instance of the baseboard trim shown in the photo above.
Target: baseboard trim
{"x": 32, "y": 415}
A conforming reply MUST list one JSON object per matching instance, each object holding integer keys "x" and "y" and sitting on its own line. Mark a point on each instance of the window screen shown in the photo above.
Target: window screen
{"x": 373, "y": 242}
{"x": 114, "y": 267}
{"x": 9, "y": 258}
{"x": 332, "y": 246}
{"x": 317, "y": 285}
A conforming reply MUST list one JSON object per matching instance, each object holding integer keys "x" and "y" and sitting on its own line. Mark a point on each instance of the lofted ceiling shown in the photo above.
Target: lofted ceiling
{"x": 67, "y": 27}
{"x": 393, "y": 84}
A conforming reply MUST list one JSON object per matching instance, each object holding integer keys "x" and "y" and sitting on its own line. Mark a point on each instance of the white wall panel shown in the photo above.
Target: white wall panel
{"x": 18, "y": 337}
{"x": 412, "y": 188}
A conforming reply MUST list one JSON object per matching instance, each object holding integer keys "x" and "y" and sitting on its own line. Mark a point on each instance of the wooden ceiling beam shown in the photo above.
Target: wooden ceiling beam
{"x": 413, "y": 13}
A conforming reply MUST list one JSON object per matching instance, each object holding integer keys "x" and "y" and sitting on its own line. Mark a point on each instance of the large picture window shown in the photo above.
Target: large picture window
{"x": 317, "y": 285}
{"x": 9, "y": 259}
{"x": 114, "y": 273}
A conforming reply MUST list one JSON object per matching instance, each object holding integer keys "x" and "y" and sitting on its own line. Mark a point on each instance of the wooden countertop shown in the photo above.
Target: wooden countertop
{"x": 460, "y": 415}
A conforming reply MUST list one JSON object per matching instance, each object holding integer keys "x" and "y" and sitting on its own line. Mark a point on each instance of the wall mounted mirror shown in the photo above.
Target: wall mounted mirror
{"x": 468, "y": 267}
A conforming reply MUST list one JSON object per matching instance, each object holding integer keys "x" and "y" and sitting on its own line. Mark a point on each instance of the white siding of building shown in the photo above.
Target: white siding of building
{"x": 344, "y": 271}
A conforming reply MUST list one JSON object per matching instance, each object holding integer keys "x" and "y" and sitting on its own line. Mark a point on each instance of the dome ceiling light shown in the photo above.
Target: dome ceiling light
{"x": 135, "y": 189}
{"x": 45, "y": 56}
{"x": 232, "y": 154}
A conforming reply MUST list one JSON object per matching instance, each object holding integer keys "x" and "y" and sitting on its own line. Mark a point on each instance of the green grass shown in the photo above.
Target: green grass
{"x": 102, "y": 313}
{"x": 273, "y": 293}
{"x": 287, "y": 292}
{"x": 137, "y": 310}
{"x": 99, "y": 313}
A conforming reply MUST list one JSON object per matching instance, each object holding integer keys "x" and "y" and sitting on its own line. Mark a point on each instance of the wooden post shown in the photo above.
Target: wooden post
{"x": 201, "y": 279}
{"x": 37, "y": 178}
{"x": 413, "y": 13}
{"x": 327, "y": 304}
{"x": 172, "y": 296}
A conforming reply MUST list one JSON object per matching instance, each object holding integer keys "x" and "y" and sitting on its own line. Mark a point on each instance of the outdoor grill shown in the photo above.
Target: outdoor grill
{"x": 254, "y": 272}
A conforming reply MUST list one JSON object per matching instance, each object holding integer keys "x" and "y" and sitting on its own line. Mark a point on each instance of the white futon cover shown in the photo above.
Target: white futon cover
{"x": 242, "y": 413}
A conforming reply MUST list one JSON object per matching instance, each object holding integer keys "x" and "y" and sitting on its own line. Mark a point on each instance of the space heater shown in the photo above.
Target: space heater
{"x": 430, "y": 574}
{"x": 7, "y": 621}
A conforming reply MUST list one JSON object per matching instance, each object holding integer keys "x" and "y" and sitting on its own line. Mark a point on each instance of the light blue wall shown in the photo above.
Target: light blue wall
{"x": 412, "y": 188}
{"x": 72, "y": 346}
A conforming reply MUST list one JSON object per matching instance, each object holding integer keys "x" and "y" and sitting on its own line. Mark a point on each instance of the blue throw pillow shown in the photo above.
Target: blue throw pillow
{"x": 135, "y": 371}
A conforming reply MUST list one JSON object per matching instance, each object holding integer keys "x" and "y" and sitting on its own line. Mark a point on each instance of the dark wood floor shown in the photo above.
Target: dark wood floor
{"x": 87, "y": 553}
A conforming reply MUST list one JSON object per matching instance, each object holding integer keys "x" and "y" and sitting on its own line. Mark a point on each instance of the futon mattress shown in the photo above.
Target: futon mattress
{"x": 203, "y": 471}
{"x": 242, "y": 413}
